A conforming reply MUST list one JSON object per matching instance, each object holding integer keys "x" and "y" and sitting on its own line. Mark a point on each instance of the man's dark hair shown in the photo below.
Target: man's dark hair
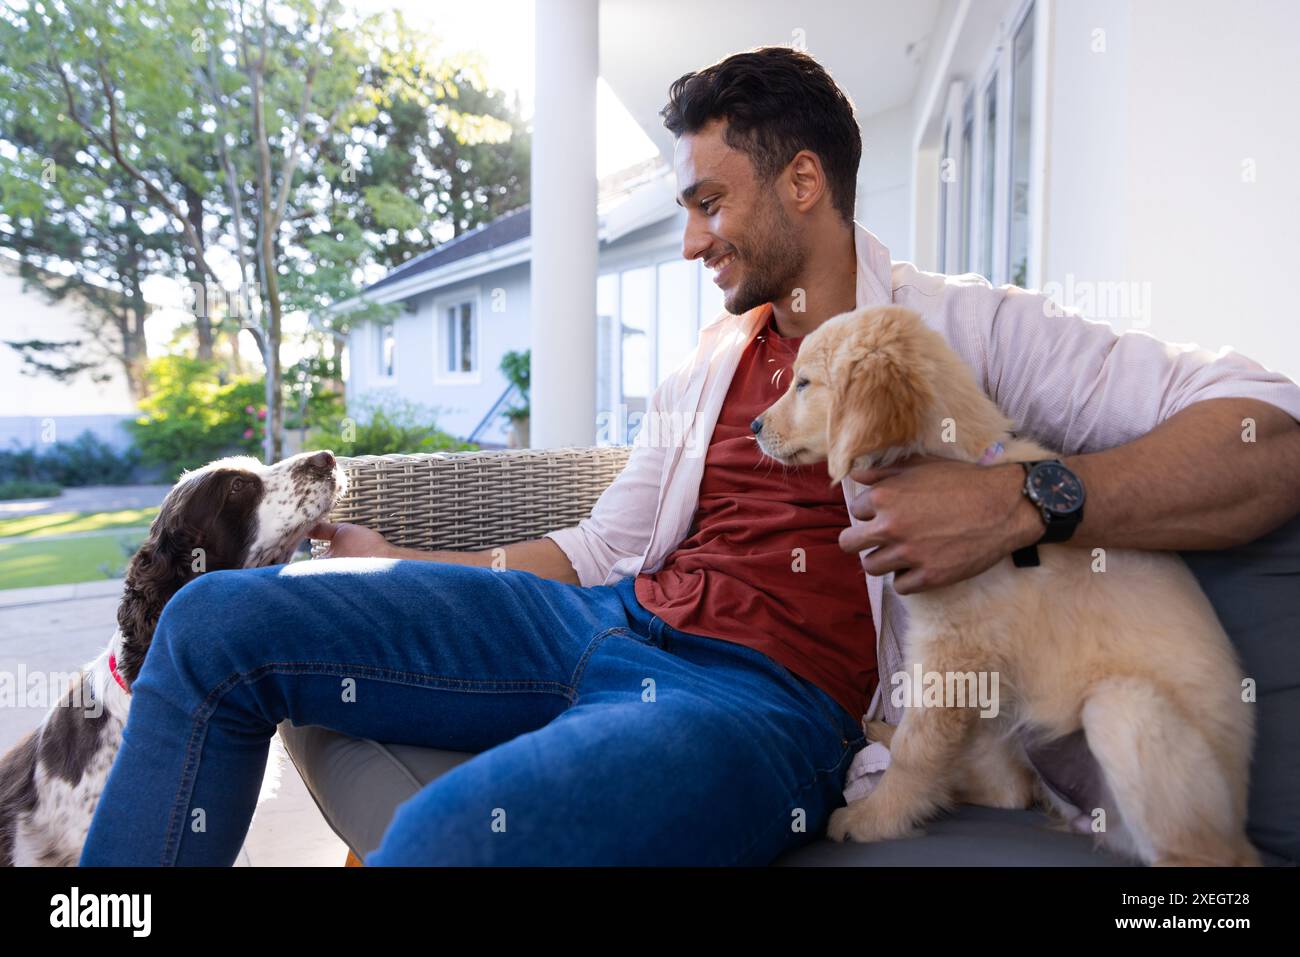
{"x": 776, "y": 101}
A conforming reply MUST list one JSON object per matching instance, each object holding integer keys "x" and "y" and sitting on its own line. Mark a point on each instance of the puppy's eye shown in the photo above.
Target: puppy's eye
{"x": 237, "y": 486}
{"x": 800, "y": 384}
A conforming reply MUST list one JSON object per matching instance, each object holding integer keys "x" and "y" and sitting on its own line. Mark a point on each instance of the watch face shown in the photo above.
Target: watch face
{"x": 1056, "y": 487}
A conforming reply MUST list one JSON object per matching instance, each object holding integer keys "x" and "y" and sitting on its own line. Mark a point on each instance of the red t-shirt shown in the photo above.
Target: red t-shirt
{"x": 736, "y": 576}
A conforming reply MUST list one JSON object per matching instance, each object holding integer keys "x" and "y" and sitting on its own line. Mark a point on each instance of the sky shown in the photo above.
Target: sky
{"x": 502, "y": 32}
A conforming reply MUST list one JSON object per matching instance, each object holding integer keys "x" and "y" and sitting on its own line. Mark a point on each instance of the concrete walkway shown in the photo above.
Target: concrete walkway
{"x": 90, "y": 498}
{"x": 58, "y": 629}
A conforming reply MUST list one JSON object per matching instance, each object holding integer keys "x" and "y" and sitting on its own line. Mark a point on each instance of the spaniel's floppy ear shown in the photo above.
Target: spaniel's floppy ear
{"x": 880, "y": 395}
{"x": 161, "y": 566}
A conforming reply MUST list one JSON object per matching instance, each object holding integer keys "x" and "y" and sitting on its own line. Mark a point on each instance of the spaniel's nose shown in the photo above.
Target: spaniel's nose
{"x": 756, "y": 426}
{"x": 322, "y": 460}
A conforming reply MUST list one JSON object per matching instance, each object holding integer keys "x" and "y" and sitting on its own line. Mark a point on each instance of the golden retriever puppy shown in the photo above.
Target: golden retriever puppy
{"x": 1133, "y": 654}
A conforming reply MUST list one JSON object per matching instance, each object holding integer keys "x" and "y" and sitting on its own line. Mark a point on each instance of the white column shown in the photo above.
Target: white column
{"x": 564, "y": 243}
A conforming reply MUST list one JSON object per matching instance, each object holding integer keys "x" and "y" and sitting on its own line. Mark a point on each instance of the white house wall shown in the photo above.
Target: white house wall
{"x": 459, "y": 406}
{"x": 1164, "y": 152}
{"x": 885, "y": 178}
{"x": 1172, "y": 171}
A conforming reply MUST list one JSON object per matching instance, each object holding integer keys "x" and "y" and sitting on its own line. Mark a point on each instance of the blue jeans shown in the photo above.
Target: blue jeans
{"x": 606, "y": 736}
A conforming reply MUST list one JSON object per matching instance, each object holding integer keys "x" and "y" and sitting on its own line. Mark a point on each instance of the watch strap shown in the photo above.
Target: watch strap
{"x": 1026, "y": 557}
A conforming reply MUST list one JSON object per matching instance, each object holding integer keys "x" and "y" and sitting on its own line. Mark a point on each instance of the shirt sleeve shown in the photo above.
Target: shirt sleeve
{"x": 622, "y": 519}
{"x": 1076, "y": 385}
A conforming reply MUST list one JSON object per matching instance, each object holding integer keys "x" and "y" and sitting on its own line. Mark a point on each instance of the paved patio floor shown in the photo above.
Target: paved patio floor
{"x": 90, "y": 498}
{"x": 60, "y": 628}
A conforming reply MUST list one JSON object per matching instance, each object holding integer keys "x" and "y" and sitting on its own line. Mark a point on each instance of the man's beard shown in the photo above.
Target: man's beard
{"x": 771, "y": 267}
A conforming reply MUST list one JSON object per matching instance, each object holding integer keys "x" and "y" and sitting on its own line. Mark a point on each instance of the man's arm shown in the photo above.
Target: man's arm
{"x": 541, "y": 556}
{"x": 584, "y": 554}
{"x": 1192, "y": 482}
{"x": 1153, "y": 428}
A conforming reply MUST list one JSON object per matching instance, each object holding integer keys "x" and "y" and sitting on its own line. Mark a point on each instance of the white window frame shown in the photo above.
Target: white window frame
{"x": 997, "y": 66}
{"x": 950, "y": 198}
{"x": 380, "y": 374}
{"x": 441, "y": 374}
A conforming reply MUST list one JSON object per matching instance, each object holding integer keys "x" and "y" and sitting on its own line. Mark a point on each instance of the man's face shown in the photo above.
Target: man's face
{"x": 735, "y": 222}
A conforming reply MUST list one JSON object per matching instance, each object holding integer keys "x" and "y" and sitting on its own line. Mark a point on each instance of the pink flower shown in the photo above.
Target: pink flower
{"x": 261, "y": 414}
{"x": 248, "y": 433}
{"x": 249, "y": 409}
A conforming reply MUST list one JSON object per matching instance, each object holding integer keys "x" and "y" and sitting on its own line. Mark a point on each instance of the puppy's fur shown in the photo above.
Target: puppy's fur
{"x": 1135, "y": 655}
{"x": 233, "y": 513}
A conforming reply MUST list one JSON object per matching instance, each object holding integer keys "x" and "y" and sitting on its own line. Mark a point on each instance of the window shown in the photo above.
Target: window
{"x": 648, "y": 318}
{"x": 987, "y": 209}
{"x": 677, "y": 325}
{"x": 967, "y": 158}
{"x": 636, "y": 301}
{"x": 386, "y": 349}
{"x": 945, "y": 174}
{"x": 459, "y": 339}
{"x": 988, "y": 174}
{"x": 608, "y": 376}
{"x": 1022, "y": 68}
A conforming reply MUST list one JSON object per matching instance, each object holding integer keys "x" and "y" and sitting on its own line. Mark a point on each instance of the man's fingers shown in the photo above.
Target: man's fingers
{"x": 883, "y": 561}
{"x": 873, "y": 475}
{"x": 861, "y": 506}
{"x": 857, "y": 537}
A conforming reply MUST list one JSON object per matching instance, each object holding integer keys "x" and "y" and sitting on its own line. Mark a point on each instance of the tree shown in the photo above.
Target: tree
{"x": 292, "y": 141}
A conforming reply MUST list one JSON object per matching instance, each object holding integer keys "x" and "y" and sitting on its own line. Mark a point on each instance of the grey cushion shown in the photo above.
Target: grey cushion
{"x": 1255, "y": 589}
{"x": 333, "y": 765}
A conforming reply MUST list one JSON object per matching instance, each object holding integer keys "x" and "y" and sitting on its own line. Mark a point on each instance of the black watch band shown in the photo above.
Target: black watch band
{"x": 1058, "y": 526}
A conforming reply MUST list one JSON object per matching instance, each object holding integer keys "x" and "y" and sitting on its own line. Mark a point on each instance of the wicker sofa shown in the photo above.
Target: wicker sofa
{"x": 474, "y": 500}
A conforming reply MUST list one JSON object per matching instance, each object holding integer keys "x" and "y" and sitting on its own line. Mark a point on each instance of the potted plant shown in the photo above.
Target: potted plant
{"x": 515, "y": 367}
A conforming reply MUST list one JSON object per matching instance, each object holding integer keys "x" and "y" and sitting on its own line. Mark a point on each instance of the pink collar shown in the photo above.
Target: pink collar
{"x": 991, "y": 454}
{"x": 117, "y": 675}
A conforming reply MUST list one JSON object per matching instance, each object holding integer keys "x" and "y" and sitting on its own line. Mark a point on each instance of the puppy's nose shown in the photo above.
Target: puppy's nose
{"x": 756, "y": 426}
{"x": 322, "y": 460}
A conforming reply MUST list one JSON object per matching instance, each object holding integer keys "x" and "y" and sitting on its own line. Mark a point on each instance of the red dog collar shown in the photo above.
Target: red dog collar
{"x": 117, "y": 676}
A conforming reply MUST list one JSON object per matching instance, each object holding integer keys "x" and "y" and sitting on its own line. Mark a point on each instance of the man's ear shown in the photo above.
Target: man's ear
{"x": 879, "y": 399}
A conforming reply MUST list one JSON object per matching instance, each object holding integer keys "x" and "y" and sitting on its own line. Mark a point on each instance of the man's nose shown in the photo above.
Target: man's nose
{"x": 695, "y": 242}
{"x": 757, "y": 425}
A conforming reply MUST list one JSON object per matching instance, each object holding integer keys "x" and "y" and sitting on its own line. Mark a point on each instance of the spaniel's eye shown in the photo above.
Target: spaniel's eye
{"x": 237, "y": 486}
{"x": 799, "y": 384}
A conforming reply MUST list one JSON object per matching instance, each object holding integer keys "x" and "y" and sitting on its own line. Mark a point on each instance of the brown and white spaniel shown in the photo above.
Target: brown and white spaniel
{"x": 232, "y": 513}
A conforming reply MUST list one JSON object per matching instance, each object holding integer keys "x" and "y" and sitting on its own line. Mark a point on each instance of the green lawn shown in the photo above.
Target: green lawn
{"x": 63, "y": 561}
{"x": 63, "y": 523}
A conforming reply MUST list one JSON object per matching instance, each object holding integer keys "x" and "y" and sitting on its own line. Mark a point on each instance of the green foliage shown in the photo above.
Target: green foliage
{"x": 384, "y": 427}
{"x": 195, "y": 413}
{"x": 23, "y": 488}
{"x": 517, "y": 368}
{"x": 86, "y": 460}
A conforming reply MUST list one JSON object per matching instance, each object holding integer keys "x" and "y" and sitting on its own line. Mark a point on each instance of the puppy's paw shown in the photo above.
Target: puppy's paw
{"x": 861, "y": 822}
{"x": 880, "y": 731}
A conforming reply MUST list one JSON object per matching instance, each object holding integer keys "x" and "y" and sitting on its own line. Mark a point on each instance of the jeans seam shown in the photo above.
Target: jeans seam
{"x": 205, "y": 710}
{"x": 597, "y": 640}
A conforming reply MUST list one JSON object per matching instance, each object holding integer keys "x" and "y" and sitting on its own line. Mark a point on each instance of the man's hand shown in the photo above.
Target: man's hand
{"x": 938, "y": 521}
{"x": 351, "y": 541}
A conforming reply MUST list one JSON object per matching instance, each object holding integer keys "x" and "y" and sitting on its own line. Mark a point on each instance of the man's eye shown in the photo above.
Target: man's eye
{"x": 706, "y": 206}
{"x": 799, "y": 384}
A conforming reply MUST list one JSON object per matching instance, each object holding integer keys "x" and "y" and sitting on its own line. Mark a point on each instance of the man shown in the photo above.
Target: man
{"x": 680, "y": 678}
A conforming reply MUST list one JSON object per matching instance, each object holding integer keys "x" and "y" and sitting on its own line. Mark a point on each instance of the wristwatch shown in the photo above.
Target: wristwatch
{"x": 1058, "y": 495}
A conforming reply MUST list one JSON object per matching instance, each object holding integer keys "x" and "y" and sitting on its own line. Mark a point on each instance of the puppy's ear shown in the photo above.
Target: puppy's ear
{"x": 880, "y": 395}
